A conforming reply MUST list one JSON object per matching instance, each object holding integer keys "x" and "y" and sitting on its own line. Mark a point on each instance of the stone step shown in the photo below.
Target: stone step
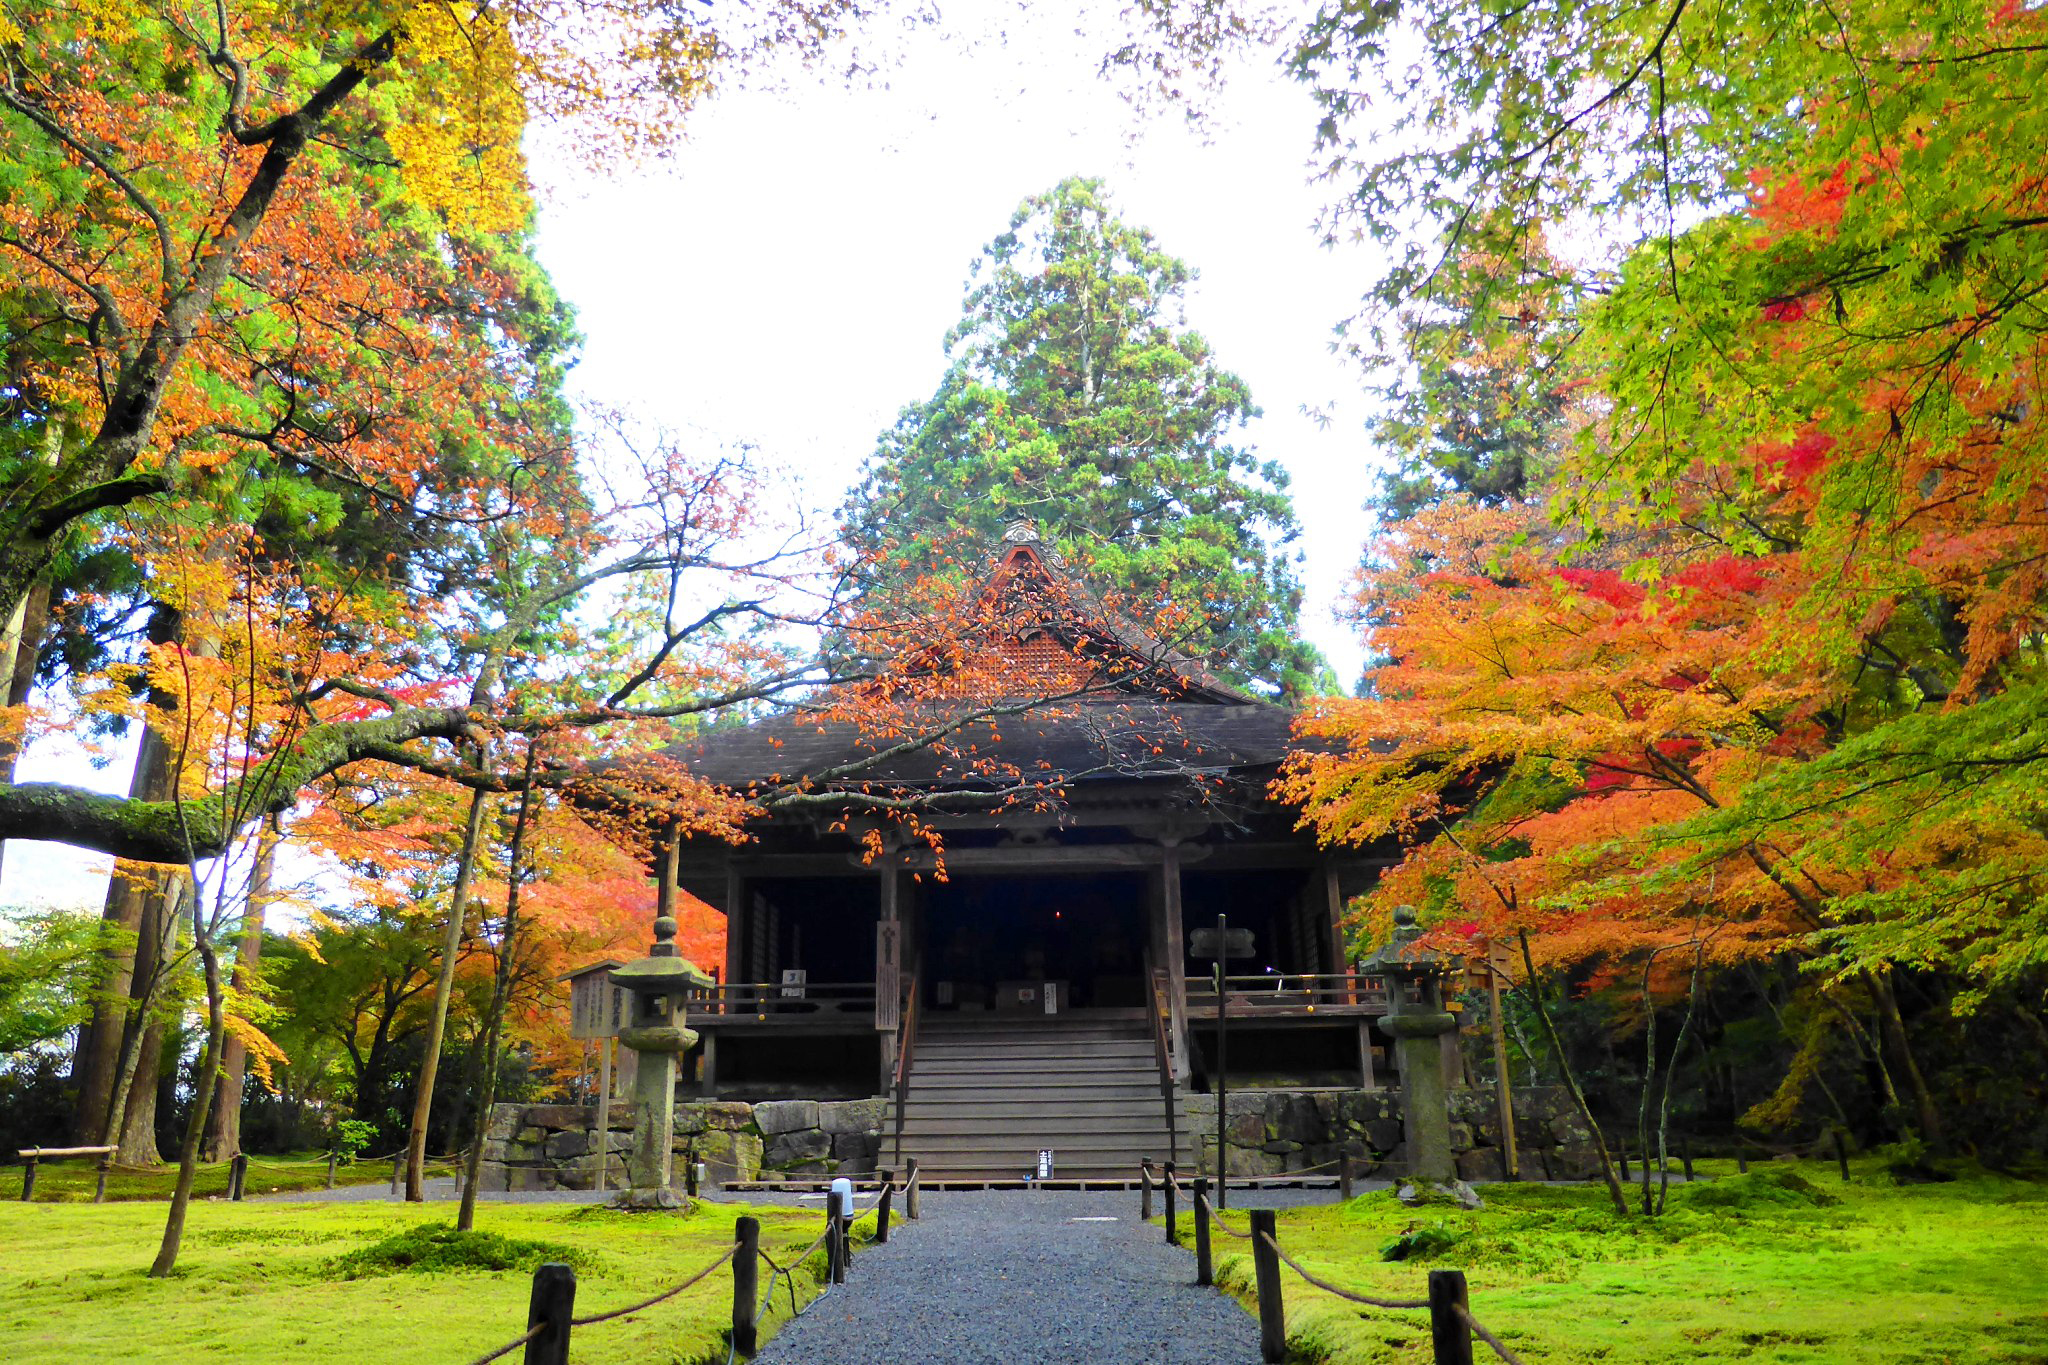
{"x": 1138, "y": 1144}
{"x": 925, "y": 1067}
{"x": 1039, "y": 1132}
{"x": 1044, "y": 1098}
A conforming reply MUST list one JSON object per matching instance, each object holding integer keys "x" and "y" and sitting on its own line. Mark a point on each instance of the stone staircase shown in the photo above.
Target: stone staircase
{"x": 988, "y": 1091}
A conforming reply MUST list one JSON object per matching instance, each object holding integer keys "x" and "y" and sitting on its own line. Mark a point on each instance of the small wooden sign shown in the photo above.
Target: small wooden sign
{"x": 1045, "y": 1163}
{"x": 597, "y": 1008}
{"x": 888, "y": 975}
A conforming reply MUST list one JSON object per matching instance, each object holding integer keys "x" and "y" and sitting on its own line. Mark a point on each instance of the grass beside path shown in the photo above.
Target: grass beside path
{"x": 264, "y": 1282}
{"x": 73, "y": 1178}
{"x": 1781, "y": 1265}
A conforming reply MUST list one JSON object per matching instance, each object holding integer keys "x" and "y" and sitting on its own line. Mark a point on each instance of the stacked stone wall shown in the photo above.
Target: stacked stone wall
{"x": 1269, "y": 1132}
{"x": 1274, "y": 1132}
{"x": 555, "y": 1146}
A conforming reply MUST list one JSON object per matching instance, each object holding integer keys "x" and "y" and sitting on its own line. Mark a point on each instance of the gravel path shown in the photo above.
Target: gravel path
{"x": 992, "y": 1278}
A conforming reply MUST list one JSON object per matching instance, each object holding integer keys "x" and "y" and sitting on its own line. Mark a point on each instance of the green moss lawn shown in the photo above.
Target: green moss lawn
{"x": 74, "y": 1178}
{"x": 1745, "y": 1268}
{"x": 268, "y": 1282}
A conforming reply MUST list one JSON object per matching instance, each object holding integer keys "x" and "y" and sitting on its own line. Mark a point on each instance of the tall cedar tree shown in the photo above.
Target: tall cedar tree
{"x": 1079, "y": 399}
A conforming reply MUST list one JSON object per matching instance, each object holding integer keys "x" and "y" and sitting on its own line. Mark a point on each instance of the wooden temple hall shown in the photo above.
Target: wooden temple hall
{"x": 1047, "y": 992}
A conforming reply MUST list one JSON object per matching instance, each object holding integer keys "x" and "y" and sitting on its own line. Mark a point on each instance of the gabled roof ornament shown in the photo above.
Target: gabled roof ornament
{"x": 1021, "y": 532}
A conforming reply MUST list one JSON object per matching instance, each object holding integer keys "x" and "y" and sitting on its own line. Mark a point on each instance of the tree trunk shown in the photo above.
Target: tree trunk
{"x": 444, "y": 987}
{"x": 202, "y": 1098}
{"x": 1894, "y": 1027}
{"x": 97, "y": 1067}
{"x": 224, "y": 1133}
{"x": 501, "y": 991}
{"x": 142, "y": 1042}
{"x": 26, "y": 639}
{"x": 1649, "y": 1078}
{"x": 1571, "y": 1079}
{"x": 1692, "y": 1001}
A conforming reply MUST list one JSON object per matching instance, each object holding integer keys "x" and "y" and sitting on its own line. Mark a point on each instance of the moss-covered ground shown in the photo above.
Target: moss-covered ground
{"x": 290, "y": 1281}
{"x": 1784, "y": 1264}
{"x": 74, "y": 1178}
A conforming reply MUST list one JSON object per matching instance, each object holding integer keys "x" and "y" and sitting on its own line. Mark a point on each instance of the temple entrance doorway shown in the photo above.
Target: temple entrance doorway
{"x": 1034, "y": 945}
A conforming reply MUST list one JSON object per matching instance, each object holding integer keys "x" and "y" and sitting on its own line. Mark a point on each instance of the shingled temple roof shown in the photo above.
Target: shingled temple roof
{"x": 1122, "y": 738}
{"x": 1150, "y": 712}
{"x": 1155, "y": 712}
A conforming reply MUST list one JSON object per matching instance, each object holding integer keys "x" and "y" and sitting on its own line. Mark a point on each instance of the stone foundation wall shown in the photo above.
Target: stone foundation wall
{"x": 1269, "y": 1132}
{"x": 1273, "y": 1132}
{"x": 555, "y": 1146}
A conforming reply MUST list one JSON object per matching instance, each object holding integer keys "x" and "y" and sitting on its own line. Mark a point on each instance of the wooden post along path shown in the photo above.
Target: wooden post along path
{"x": 746, "y": 1285}
{"x": 1205, "y": 1271}
{"x": 552, "y": 1305}
{"x": 1266, "y": 1273}
{"x": 1450, "y": 1330}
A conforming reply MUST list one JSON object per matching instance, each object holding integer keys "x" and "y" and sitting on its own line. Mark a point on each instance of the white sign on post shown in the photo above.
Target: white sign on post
{"x": 1045, "y": 1163}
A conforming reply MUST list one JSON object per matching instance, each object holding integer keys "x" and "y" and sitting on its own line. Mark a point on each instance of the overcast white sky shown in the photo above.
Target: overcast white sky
{"x": 787, "y": 278}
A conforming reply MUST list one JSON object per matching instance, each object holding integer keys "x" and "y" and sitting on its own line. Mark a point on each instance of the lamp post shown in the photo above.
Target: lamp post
{"x": 654, "y": 1029}
{"x": 1417, "y": 1028}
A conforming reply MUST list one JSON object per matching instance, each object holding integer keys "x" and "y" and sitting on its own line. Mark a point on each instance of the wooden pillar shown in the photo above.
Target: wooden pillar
{"x": 1174, "y": 948}
{"x": 1366, "y": 1079}
{"x": 1333, "y": 920}
{"x": 736, "y": 928}
{"x": 604, "y": 1105}
{"x": 889, "y": 969}
{"x": 668, "y": 854}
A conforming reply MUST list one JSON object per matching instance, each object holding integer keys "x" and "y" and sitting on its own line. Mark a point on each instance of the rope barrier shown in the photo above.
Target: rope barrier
{"x": 1288, "y": 1175}
{"x": 730, "y": 1252}
{"x": 509, "y": 1347}
{"x": 1489, "y": 1338}
{"x": 1216, "y": 1220}
{"x": 782, "y": 1273}
{"x": 1326, "y": 1286}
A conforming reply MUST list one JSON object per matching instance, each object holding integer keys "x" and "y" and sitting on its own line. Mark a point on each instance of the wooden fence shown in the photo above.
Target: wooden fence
{"x": 551, "y": 1308}
{"x": 1451, "y": 1324}
{"x": 31, "y": 1157}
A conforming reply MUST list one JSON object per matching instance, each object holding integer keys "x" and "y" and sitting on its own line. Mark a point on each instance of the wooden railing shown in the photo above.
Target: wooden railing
{"x": 1161, "y": 1015}
{"x": 1293, "y": 993}
{"x": 906, "y": 1046}
{"x": 773, "y": 998}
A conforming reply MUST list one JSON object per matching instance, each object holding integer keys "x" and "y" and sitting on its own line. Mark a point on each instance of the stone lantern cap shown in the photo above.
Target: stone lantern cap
{"x": 660, "y": 976}
{"x": 1400, "y": 958}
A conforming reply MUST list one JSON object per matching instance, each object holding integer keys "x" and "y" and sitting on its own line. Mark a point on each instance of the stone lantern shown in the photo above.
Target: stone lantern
{"x": 654, "y": 1030}
{"x": 1417, "y": 1028}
